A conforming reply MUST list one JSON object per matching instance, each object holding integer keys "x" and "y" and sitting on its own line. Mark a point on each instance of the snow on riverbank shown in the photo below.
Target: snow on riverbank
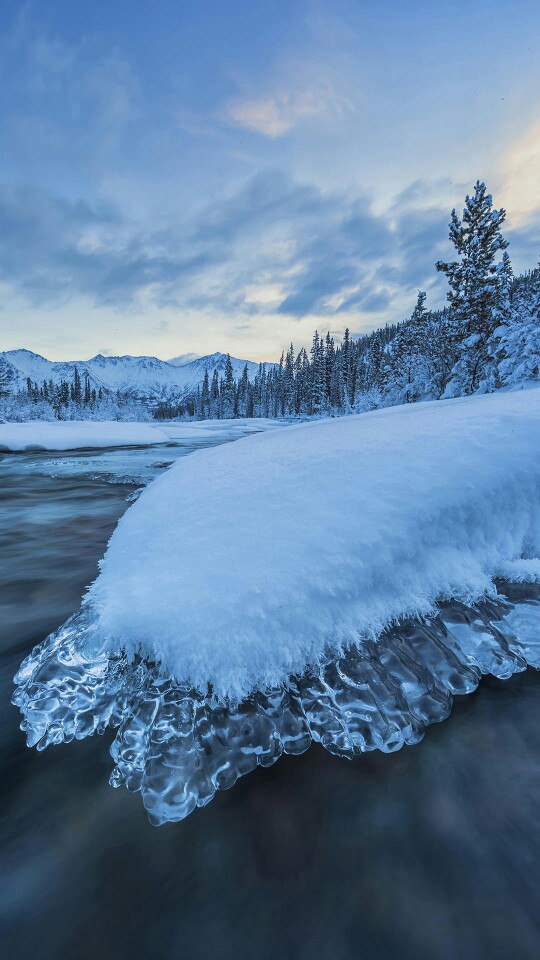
{"x": 77, "y": 435}
{"x": 241, "y": 564}
{"x": 210, "y": 430}
{"x": 92, "y": 434}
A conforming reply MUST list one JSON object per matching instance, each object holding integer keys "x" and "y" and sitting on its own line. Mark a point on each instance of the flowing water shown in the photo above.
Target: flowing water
{"x": 432, "y": 852}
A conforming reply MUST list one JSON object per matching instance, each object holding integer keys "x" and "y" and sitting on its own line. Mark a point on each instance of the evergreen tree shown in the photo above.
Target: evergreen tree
{"x": 289, "y": 392}
{"x": 244, "y": 393}
{"x": 337, "y": 389}
{"x": 215, "y": 410}
{"x": 317, "y": 399}
{"x": 77, "y": 387}
{"x": 519, "y": 338}
{"x": 229, "y": 391}
{"x": 205, "y": 396}
{"x": 347, "y": 370}
{"x": 406, "y": 374}
{"x": 440, "y": 354}
{"x": 476, "y": 291}
{"x": 328, "y": 365}
{"x": 5, "y": 379}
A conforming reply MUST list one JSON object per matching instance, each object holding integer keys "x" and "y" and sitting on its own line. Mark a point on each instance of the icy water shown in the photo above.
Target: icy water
{"x": 433, "y": 852}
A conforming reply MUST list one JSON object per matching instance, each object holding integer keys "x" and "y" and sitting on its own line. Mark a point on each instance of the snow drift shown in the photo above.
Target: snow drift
{"x": 245, "y": 564}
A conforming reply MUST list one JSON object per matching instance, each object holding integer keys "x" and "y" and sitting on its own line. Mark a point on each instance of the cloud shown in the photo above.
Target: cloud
{"x": 275, "y": 114}
{"x": 270, "y": 116}
{"x": 272, "y": 247}
{"x": 184, "y": 358}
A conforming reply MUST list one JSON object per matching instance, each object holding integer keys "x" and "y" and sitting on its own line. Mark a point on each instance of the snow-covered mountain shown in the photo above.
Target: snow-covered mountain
{"x": 141, "y": 377}
{"x": 194, "y": 369}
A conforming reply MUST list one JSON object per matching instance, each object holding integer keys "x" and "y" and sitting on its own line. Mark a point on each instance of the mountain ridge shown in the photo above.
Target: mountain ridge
{"x": 141, "y": 377}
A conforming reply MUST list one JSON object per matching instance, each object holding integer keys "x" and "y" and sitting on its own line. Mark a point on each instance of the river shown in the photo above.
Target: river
{"x": 433, "y": 852}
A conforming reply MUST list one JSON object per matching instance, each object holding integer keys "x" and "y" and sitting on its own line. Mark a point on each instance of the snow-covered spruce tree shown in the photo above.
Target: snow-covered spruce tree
{"x": 244, "y": 396}
{"x": 337, "y": 389}
{"x": 5, "y": 379}
{"x": 301, "y": 382}
{"x": 259, "y": 391}
{"x": 205, "y": 396}
{"x": 348, "y": 371}
{"x": 407, "y": 373}
{"x": 477, "y": 283}
{"x": 228, "y": 391}
{"x": 215, "y": 396}
{"x": 76, "y": 388}
{"x": 519, "y": 337}
{"x": 289, "y": 393}
{"x": 329, "y": 352}
{"x": 440, "y": 354}
{"x": 317, "y": 399}
{"x": 373, "y": 365}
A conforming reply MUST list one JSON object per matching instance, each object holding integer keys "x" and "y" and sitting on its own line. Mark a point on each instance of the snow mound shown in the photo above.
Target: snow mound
{"x": 77, "y": 435}
{"x": 245, "y": 564}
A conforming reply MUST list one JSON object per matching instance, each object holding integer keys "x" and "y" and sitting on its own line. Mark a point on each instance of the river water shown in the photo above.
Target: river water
{"x": 433, "y": 852}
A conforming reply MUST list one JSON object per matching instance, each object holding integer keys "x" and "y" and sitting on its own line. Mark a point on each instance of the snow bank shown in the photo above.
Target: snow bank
{"x": 241, "y": 564}
{"x": 77, "y": 435}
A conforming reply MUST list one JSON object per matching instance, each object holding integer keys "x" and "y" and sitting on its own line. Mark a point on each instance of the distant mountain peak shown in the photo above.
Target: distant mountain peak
{"x": 147, "y": 378}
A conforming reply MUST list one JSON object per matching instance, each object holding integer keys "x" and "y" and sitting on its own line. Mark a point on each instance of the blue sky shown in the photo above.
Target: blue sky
{"x": 228, "y": 175}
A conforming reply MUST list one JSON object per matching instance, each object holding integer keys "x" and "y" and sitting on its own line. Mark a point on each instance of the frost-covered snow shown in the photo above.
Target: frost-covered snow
{"x": 241, "y": 564}
{"x": 78, "y": 434}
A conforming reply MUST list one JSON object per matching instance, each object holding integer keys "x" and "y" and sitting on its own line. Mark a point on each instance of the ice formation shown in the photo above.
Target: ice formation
{"x": 178, "y": 746}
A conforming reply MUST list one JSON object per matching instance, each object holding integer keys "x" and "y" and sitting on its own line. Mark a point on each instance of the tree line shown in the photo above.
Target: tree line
{"x": 73, "y": 399}
{"x": 61, "y": 395}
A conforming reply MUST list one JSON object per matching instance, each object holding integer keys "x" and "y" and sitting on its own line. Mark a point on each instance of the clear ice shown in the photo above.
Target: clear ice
{"x": 178, "y": 747}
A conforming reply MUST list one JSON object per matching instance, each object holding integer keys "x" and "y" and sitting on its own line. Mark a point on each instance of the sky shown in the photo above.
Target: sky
{"x": 186, "y": 177}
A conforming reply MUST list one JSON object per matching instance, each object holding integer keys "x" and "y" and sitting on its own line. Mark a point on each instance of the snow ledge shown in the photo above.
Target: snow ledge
{"x": 245, "y": 564}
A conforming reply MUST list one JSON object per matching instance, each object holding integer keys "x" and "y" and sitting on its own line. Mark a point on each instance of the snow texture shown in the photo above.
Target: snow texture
{"x": 245, "y": 564}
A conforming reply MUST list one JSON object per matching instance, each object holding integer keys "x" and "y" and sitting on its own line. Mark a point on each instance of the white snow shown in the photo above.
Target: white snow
{"x": 242, "y": 563}
{"x": 78, "y": 434}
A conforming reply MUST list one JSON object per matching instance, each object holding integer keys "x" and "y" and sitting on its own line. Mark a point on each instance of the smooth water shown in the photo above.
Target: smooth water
{"x": 431, "y": 852}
